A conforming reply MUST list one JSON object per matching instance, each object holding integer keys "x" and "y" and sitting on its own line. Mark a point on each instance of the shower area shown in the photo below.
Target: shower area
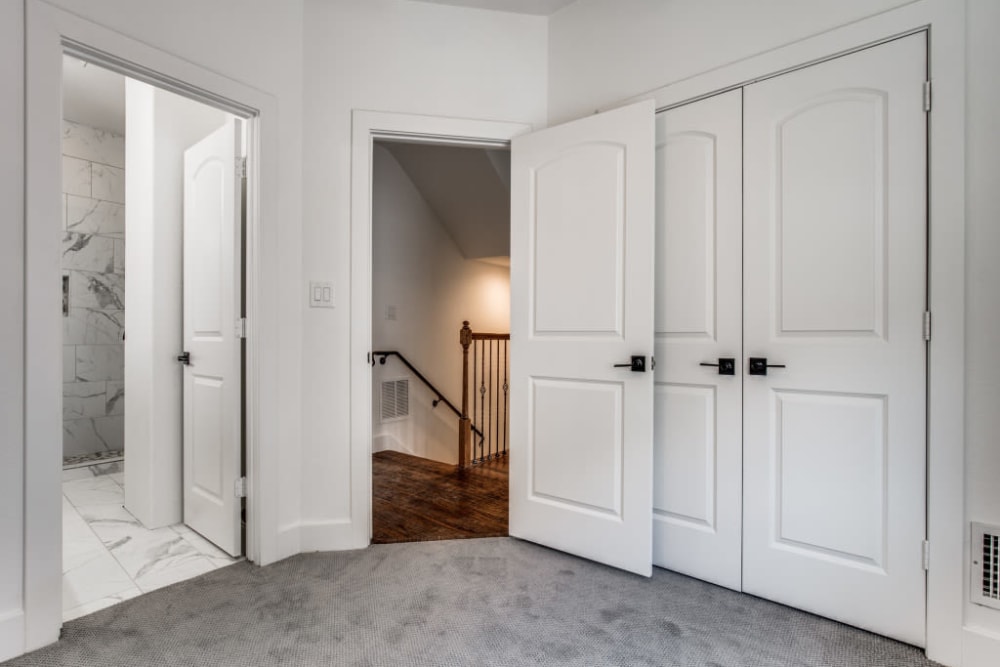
{"x": 93, "y": 293}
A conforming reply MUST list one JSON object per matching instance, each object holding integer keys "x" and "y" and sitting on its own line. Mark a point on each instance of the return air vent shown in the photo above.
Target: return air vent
{"x": 986, "y": 565}
{"x": 395, "y": 400}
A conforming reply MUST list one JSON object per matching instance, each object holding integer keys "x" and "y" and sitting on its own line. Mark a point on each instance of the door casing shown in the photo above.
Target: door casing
{"x": 50, "y": 33}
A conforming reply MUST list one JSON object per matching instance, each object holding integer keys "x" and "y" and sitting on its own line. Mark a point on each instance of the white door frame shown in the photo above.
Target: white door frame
{"x": 944, "y": 20}
{"x": 50, "y": 33}
{"x": 354, "y": 531}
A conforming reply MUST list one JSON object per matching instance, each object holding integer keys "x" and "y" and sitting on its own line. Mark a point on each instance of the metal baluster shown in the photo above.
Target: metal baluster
{"x": 482, "y": 399}
{"x": 506, "y": 387}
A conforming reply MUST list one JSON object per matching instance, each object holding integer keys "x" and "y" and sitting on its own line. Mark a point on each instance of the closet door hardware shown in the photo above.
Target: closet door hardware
{"x": 759, "y": 366}
{"x": 184, "y": 358}
{"x": 726, "y": 365}
{"x": 637, "y": 365}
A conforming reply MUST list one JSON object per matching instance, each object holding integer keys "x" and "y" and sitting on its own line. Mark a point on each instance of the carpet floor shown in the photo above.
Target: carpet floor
{"x": 463, "y": 603}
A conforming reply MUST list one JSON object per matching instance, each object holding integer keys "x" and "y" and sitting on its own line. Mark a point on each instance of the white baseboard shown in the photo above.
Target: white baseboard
{"x": 980, "y": 647}
{"x": 11, "y": 634}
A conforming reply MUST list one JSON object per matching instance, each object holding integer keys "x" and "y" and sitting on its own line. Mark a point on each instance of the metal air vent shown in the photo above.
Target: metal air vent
{"x": 985, "y": 565}
{"x": 395, "y": 400}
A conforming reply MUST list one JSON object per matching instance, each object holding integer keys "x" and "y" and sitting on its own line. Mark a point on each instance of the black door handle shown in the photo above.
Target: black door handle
{"x": 184, "y": 358}
{"x": 759, "y": 366}
{"x": 726, "y": 365}
{"x": 637, "y": 365}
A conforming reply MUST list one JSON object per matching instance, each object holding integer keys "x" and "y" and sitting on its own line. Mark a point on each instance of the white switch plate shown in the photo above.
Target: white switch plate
{"x": 321, "y": 295}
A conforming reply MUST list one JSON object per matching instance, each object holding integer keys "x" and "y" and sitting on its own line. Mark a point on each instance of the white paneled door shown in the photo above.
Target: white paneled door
{"x": 699, "y": 303}
{"x": 834, "y": 261}
{"x": 213, "y": 376}
{"x": 582, "y": 252}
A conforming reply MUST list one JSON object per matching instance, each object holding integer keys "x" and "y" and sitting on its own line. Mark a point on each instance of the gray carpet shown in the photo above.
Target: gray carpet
{"x": 464, "y": 603}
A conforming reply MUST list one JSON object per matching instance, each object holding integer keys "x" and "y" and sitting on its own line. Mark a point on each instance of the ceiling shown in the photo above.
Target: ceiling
{"x": 93, "y": 96}
{"x": 469, "y": 191}
{"x": 537, "y": 7}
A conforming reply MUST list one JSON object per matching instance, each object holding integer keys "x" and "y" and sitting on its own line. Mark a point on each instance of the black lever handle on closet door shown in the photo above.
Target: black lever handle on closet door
{"x": 726, "y": 365}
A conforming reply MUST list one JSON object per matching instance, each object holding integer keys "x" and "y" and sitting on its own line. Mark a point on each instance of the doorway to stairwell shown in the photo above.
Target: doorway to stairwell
{"x": 440, "y": 258}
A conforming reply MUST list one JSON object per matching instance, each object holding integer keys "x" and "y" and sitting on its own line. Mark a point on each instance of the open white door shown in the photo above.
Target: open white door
{"x": 697, "y": 502}
{"x": 582, "y": 249}
{"x": 213, "y": 376}
{"x": 834, "y": 262}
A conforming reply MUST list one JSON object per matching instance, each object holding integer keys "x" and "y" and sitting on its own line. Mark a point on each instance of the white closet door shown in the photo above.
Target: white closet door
{"x": 582, "y": 301}
{"x": 698, "y": 442}
{"x": 834, "y": 260}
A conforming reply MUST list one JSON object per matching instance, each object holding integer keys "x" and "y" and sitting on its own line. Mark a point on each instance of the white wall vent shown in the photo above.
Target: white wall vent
{"x": 986, "y": 565}
{"x": 395, "y": 400}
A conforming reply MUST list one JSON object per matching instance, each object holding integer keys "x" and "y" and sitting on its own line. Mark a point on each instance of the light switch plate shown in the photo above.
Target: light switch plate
{"x": 321, "y": 295}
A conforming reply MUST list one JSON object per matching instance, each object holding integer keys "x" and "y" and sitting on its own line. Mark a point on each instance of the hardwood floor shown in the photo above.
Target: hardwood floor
{"x": 415, "y": 500}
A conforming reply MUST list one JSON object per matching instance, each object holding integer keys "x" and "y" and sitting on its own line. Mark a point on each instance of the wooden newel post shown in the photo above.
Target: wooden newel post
{"x": 464, "y": 423}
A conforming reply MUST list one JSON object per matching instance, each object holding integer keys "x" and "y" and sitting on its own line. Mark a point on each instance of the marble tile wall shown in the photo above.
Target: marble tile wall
{"x": 93, "y": 257}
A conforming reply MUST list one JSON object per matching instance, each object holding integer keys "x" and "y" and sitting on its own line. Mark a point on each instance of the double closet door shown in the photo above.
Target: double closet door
{"x": 790, "y": 387}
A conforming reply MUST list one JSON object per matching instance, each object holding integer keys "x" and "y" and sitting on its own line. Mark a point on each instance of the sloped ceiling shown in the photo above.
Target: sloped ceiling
{"x": 467, "y": 188}
{"x": 93, "y": 95}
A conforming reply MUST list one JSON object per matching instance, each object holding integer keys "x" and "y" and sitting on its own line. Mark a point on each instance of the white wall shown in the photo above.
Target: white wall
{"x": 983, "y": 276}
{"x": 160, "y": 127}
{"x": 383, "y": 55}
{"x": 11, "y": 327}
{"x": 420, "y": 271}
{"x": 605, "y": 51}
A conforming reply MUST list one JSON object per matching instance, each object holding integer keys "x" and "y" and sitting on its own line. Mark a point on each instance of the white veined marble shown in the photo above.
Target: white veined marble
{"x": 86, "y": 215}
{"x": 69, "y": 363}
{"x": 109, "y": 556}
{"x": 98, "y": 291}
{"x": 85, "y": 399}
{"x": 76, "y": 176}
{"x": 119, "y": 263}
{"x": 89, "y": 143}
{"x": 88, "y": 252}
{"x": 108, "y": 183}
{"x": 100, "y": 362}
{"x": 114, "y": 403}
{"x": 84, "y": 326}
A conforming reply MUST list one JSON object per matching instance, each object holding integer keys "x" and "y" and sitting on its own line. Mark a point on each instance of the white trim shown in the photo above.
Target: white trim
{"x": 49, "y": 32}
{"x": 945, "y": 21}
{"x": 354, "y": 532}
{"x": 980, "y": 647}
{"x": 11, "y": 634}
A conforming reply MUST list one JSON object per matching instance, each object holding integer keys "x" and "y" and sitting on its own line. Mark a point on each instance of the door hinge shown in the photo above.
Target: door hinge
{"x": 240, "y": 488}
{"x": 241, "y": 327}
{"x": 241, "y": 167}
{"x": 927, "y": 325}
{"x": 926, "y": 549}
{"x": 927, "y": 95}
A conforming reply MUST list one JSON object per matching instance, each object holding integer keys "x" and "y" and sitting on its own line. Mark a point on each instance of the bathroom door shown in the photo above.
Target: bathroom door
{"x": 213, "y": 372}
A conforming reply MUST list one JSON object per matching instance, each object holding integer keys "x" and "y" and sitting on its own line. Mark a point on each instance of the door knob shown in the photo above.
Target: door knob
{"x": 637, "y": 365}
{"x": 184, "y": 358}
{"x": 726, "y": 365}
{"x": 759, "y": 366}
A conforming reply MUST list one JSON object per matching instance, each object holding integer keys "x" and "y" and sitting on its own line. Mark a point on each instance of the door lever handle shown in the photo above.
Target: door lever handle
{"x": 184, "y": 358}
{"x": 726, "y": 365}
{"x": 759, "y": 366}
{"x": 636, "y": 365}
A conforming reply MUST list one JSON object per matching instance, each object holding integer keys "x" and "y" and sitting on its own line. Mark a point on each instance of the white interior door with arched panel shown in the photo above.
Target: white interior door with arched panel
{"x": 834, "y": 300}
{"x": 697, "y": 496}
{"x": 582, "y": 249}
{"x": 213, "y": 445}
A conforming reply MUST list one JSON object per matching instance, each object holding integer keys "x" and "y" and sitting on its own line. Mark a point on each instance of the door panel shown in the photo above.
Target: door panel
{"x": 581, "y": 302}
{"x": 212, "y": 381}
{"x": 835, "y": 233}
{"x": 698, "y": 459}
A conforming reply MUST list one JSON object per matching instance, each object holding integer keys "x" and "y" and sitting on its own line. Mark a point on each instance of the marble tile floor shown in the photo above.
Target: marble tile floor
{"x": 108, "y": 556}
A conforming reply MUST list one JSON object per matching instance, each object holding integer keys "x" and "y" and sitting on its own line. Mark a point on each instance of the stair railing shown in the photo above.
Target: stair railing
{"x": 487, "y": 414}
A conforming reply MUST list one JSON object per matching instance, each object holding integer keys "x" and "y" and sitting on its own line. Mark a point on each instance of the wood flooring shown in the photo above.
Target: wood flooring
{"x": 417, "y": 500}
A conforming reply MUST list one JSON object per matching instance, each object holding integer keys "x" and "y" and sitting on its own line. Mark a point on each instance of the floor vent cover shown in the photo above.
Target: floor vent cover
{"x": 986, "y": 565}
{"x": 395, "y": 399}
